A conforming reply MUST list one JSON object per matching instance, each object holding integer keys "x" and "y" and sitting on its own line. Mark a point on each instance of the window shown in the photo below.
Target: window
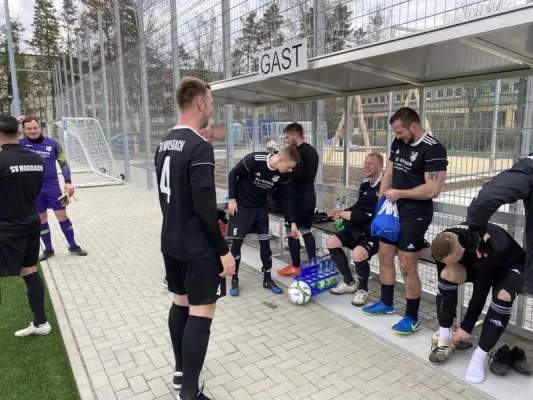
{"x": 493, "y": 88}
{"x": 440, "y": 94}
{"x": 501, "y": 119}
{"x": 381, "y": 123}
{"x": 505, "y": 87}
{"x": 382, "y": 99}
{"x": 516, "y": 86}
{"x": 458, "y": 92}
{"x": 429, "y": 95}
{"x": 376, "y": 99}
{"x": 370, "y": 100}
{"x": 363, "y": 100}
{"x": 398, "y": 98}
{"x": 449, "y": 92}
{"x": 369, "y": 122}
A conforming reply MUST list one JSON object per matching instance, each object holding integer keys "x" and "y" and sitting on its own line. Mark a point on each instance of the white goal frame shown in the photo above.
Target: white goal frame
{"x": 66, "y": 132}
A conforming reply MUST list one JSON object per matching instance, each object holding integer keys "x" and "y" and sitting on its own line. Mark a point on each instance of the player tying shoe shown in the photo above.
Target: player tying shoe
{"x": 21, "y": 177}
{"x": 497, "y": 264}
{"x": 415, "y": 176}
{"x": 51, "y": 151}
{"x": 197, "y": 258}
{"x": 507, "y": 187}
{"x": 249, "y": 183}
{"x": 299, "y": 218}
{"x": 354, "y": 234}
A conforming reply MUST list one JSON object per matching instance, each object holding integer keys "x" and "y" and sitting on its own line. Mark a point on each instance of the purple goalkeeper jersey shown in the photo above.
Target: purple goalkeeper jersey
{"x": 50, "y": 151}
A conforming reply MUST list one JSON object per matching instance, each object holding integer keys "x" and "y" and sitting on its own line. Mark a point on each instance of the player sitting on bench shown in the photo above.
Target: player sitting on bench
{"x": 498, "y": 264}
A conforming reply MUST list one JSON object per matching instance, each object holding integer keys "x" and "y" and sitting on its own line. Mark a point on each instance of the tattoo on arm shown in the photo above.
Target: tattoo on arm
{"x": 434, "y": 175}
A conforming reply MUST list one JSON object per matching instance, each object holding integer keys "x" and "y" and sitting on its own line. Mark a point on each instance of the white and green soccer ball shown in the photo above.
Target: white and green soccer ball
{"x": 299, "y": 292}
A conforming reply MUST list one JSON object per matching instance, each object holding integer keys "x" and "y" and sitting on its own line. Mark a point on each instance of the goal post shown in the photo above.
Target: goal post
{"x": 87, "y": 151}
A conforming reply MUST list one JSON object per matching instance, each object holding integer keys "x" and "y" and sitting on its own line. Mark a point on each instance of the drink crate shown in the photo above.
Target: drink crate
{"x": 320, "y": 274}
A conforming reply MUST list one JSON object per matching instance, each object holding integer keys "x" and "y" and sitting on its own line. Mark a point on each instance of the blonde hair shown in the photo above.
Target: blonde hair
{"x": 189, "y": 89}
{"x": 378, "y": 156}
{"x": 444, "y": 245}
{"x": 289, "y": 153}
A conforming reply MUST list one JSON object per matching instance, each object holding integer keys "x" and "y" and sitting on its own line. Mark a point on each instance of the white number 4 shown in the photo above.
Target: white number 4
{"x": 164, "y": 185}
{"x": 219, "y": 291}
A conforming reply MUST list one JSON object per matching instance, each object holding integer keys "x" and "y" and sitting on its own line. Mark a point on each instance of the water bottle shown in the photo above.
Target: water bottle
{"x": 321, "y": 284}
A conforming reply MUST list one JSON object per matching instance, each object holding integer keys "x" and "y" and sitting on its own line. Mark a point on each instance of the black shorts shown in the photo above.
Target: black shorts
{"x": 304, "y": 204}
{"x": 353, "y": 236}
{"x": 248, "y": 221}
{"x": 198, "y": 279}
{"x": 19, "y": 252}
{"x": 412, "y": 236}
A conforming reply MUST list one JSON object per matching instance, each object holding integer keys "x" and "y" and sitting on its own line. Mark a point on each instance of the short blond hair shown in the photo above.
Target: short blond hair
{"x": 378, "y": 157}
{"x": 289, "y": 153}
{"x": 189, "y": 89}
{"x": 444, "y": 245}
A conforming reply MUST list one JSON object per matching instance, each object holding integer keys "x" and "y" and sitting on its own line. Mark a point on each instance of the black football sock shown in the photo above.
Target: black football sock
{"x": 177, "y": 320}
{"x": 294, "y": 249}
{"x": 195, "y": 342}
{"x": 35, "y": 286}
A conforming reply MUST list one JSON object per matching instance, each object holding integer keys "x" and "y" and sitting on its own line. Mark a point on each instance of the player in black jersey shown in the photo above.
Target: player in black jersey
{"x": 303, "y": 196}
{"x": 501, "y": 269}
{"x": 197, "y": 258}
{"x": 21, "y": 178}
{"x": 249, "y": 183}
{"x": 415, "y": 176}
{"x": 354, "y": 233}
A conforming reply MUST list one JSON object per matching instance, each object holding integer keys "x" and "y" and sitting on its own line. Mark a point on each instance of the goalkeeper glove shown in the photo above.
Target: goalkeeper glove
{"x": 472, "y": 241}
{"x": 64, "y": 199}
{"x": 360, "y": 216}
{"x": 221, "y": 215}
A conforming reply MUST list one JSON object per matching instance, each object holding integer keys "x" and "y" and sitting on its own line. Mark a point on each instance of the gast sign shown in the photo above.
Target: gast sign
{"x": 291, "y": 57}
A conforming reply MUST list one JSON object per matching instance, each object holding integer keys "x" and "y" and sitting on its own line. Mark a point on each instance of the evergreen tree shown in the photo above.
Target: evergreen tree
{"x": 17, "y": 30}
{"x": 270, "y": 28}
{"x": 338, "y": 27}
{"x": 45, "y": 31}
{"x": 246, "y": 48}
{"x": 69, "y": 19}
{"x": 306, "y": 26}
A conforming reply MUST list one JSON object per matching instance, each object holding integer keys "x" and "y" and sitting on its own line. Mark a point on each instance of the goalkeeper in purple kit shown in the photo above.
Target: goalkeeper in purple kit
{"x": 51, "y": 196}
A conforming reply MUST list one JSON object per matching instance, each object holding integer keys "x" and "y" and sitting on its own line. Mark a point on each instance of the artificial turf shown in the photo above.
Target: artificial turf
{"x": 34, "y": 367}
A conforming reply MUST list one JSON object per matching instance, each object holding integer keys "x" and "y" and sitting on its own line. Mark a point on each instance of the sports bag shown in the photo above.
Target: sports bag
{"x": 386, "y": 223}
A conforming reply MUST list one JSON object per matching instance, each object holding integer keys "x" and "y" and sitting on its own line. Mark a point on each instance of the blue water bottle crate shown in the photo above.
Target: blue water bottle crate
{"x": 320, "y": 274}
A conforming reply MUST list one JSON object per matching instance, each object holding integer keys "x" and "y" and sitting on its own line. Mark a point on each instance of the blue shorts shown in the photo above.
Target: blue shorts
{"x": 48, "y": 199}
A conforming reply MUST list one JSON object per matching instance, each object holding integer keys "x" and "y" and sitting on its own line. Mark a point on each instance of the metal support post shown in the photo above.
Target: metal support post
{"x": 422, "y": 106}
{"x": 255, "y": 129}
{"x": 73, "y": 82}
{"x": 226, "y": 51}
{"x": 57, "y": 98}
{"x": 91, "y": 78}
{"x": 123, "y": 93}
{"x": 12, "y": 66}
{"x": 389, "y": 128}
{"x": 80, "y": 69}
{"x": 175, "y": 48}
{"x": 66, "y": 84}
{"x": 494, "y": 132}
{"x": 104, "y": 80}
{"x": 346, "y": 144}
{"x": 60, "y": 87}
{"x": 144, "y": 93}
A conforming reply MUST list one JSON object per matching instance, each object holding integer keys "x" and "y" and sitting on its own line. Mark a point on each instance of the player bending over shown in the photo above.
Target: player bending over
{"x": 197, "y": 258}
{"x": 303, "y": 196}
{"x": 500, "y": 267}
{"x": 51, "y": 151}
{"x": 249, "y": 183}
{"x": 21, "y": 177}
{"x": 355, "y": 234}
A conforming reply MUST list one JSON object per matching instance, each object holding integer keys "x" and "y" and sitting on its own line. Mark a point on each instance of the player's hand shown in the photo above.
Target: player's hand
{"x": 460, "y": 335}
{"x": 64, "y": 199}
{"x": 69, "y": 189}
{"x": 294, "y": 230}
{"x": 483, "y": 249}
{"x": 347, "y": 215}
{"x": 333, "y": 213}
{"x": 392, "y": 195}
{"x": 21, "y": 119}
{"x": 232, "y": 207}
{"x": 228, "y": 265}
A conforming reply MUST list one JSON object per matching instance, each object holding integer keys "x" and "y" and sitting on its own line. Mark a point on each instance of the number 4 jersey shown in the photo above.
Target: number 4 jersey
{"x": 183, "y": 160}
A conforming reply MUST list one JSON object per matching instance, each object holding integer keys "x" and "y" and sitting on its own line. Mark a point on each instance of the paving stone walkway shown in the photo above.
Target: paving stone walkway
{"x": 262, "y": 347}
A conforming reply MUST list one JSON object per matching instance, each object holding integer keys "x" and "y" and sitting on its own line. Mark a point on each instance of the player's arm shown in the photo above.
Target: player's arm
{"x": 436, "y": 163}
{"x": 505, "y": 188}
{"x": 63, "y": 164}
{"x": 243, "y": 167}
{"x": 475, "y": 306}
{"x": 202, "y": 181}
{"x": 386, "y": 180}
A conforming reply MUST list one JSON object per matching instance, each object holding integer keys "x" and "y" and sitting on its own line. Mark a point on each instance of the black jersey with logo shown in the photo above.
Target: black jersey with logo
{"x": 304, "y": 173}
{"x": 411, "y": 162}
{"x": 252, "y": 178}
{"x": 368, "y": 195}
{"x": 183, "y": 160}
{"x": 21, "y": 178}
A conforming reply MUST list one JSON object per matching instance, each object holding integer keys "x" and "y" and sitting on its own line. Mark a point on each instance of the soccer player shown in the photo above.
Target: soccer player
{"x": 51, "y": 151}
{"x": 355, "y": 234}
{"x": 249, "y": 183}
{"x": 500, "y": 268}
{"x": 415, "y": 176}
{"x": 21, "y": 177}
{"x": 506, "y": 188}
{"x": 197, "y": 258}
{"x": 303, "y": 196}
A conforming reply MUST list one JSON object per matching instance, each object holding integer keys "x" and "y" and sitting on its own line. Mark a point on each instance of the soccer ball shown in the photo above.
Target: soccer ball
{"x": 299, "y": 292}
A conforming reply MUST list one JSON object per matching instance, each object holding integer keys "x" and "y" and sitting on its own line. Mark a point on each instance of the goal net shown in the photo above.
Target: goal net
{"x": 88, "y": 153}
